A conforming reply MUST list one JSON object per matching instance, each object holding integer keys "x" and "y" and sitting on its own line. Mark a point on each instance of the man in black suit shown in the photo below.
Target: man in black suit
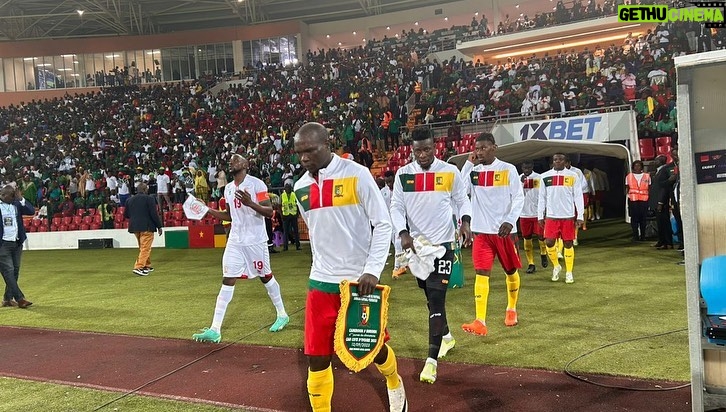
{"x": 143, "y": 222}
{"x": 560, "y": 106}
{"x": 662, "y": 191}
{"x": 12, "y": 237}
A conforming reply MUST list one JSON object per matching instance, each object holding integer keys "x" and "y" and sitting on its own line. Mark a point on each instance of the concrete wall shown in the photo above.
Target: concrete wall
{"x": 69, "y": 239}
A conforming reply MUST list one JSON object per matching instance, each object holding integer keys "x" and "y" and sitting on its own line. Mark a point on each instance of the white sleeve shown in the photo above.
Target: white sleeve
{"x": 398, "y": 206}
{"x": 460, "y": 195}
{"x": 465, "y": 172}
{"x": 375, "y": 208}
{"x": 517, "y": 197}
{"x": 542, "y": 203}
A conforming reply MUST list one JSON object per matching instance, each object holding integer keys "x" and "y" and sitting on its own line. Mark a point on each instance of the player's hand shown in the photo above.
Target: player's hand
{"x": 472, "y": 158}
{"x": 367, "y": 284}
{"x": 579, "y": 223}
{"x": 18, "y": 193}
{"x": 465, "y": 234}
{"x": 243, "y": 197}
{"x": 407, "y": 242}
{"x": 505, "y": 229}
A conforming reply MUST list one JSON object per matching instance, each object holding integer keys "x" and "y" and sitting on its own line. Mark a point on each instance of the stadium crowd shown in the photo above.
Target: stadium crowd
{"x": 88, "y": 150}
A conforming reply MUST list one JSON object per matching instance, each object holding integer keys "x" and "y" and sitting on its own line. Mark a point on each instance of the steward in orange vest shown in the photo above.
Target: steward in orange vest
{"x": 637, "y": 184}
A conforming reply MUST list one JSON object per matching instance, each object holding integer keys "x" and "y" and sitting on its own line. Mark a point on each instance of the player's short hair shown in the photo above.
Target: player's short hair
{"x": 389, "y": 173}
{"x": 486, "y": 137}
{"x": 528, "y": 163}
{"x": 567, "y": 158}
{"x": 421, "y": 133}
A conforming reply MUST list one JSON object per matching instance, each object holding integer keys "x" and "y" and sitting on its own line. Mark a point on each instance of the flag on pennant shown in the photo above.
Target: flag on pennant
{"x": 490, "y": 178}
{"x": 332, "y": 193}
{"x": 201, "y": 236}
{"x": 427, "y": 182}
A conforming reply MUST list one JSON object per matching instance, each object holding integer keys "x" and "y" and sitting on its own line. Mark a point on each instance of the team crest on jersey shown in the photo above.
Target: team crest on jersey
{"x": 439, "y": 180}
{"x": 338, "y": 191}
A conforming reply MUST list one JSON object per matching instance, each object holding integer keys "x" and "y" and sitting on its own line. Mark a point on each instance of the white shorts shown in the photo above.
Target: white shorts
{"x": 246, "y": 261}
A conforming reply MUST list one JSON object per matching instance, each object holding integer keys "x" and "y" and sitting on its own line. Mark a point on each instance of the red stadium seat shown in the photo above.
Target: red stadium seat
{"x": 89, "y": 219}
{"x": 663, "y": 141}
{"x": 42, "y": 228}
{"x": 663, "y": 150}
{"x": 120, "y": 210}
{"x": 91, "y": 211}
{"x": 646, "y": 142}
{"x": 212, "y": 205}
{"x": 178, "y": 214}
{"x": 96, "y": 219}
{"x": 647, "y": 152}
{"x": 77, "y": 220}
{"x": 63, "y": 228}
{"x": 177, "y": 206}
{"x": 67, "y": 220}
{"x": 80, "y": 212}
{"x": 95, "y": 226}
{"x": 85, "y": 226}
{"x": 38, "y": 222}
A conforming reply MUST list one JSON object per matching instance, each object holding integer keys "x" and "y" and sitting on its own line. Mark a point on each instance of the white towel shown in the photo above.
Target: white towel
{"x": 421, "y": 263}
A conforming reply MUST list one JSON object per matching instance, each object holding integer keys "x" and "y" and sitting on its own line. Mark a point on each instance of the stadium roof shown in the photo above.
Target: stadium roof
{"x": 44, "y": 19}
{"x": 59, "y": 19}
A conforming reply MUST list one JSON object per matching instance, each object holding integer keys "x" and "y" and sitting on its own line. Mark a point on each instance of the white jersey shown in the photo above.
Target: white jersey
{"x": 248, "y": 226}
{"x": 496, "y": 195}
{"x": 162, "y": 183}
{"x": 340, "y": 207}
{"x": 584, "y": 183}
{"x": 530, "y": 185}
{"x": 560, "y": 195}
{"x": 428, "y": 201}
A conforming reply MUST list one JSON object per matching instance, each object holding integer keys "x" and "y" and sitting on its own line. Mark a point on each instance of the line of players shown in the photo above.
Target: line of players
{"x": 423, "y": 197}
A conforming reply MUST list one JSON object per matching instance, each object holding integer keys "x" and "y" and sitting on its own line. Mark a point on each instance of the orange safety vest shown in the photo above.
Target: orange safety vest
{"x": 638, "y": 192}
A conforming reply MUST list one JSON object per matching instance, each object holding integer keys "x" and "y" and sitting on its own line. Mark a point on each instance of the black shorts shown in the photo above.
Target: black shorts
{"x": 439, "y": 278}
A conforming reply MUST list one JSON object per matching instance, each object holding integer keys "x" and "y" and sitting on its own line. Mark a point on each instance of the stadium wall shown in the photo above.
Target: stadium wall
{"x": 69, "y": 239}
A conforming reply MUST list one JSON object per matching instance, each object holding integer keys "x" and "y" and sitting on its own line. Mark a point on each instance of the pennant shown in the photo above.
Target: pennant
{"x": 360, "y": 328}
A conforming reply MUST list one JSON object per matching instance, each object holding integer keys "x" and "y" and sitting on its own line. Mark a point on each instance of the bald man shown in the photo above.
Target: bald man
{"x": 246, "y": 255}
{"x": 344, "y": 248}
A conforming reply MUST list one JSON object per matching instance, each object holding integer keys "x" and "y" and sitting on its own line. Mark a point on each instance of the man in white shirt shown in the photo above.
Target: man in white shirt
{"x": 496, "y": 203}
{"x": 246, "y": 254}
{"x": 560, "y": 200}
{"x": 427, "y": 194}
{"x": 163, "y": 186}
{"x": 340, "y": 203}
{"x": 528, "y": 224}
{"x": 387, "y": 192}
{"x": 12, "y": 233}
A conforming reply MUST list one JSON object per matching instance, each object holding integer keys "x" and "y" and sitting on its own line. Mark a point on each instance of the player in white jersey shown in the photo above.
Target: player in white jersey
{"x": 427, "y": 193}
{"x": 350, "y": 232}
{"x": 496, "y": 203}
{"x": 246, "y": 254}
{"x": 528, "y": 224}
{"x": 559, "y": 211}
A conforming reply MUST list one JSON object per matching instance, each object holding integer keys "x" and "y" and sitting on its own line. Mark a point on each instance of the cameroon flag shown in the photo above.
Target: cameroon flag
{"x": 559, "y": 180}
{"x": 334, "y": 192}
{"x": 201, "y": 236}
{"x": 427, "y": 182}
{"x": 490, "y": 178}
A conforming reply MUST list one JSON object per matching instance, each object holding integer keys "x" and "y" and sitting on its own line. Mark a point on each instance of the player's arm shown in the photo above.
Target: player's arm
{"x": 542, "y": 202}
{"x": 262, "y": 204}
{"x": 398, "y": 213}
{"x": 220, "y": 214}
{"x": 377, "y": 212}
